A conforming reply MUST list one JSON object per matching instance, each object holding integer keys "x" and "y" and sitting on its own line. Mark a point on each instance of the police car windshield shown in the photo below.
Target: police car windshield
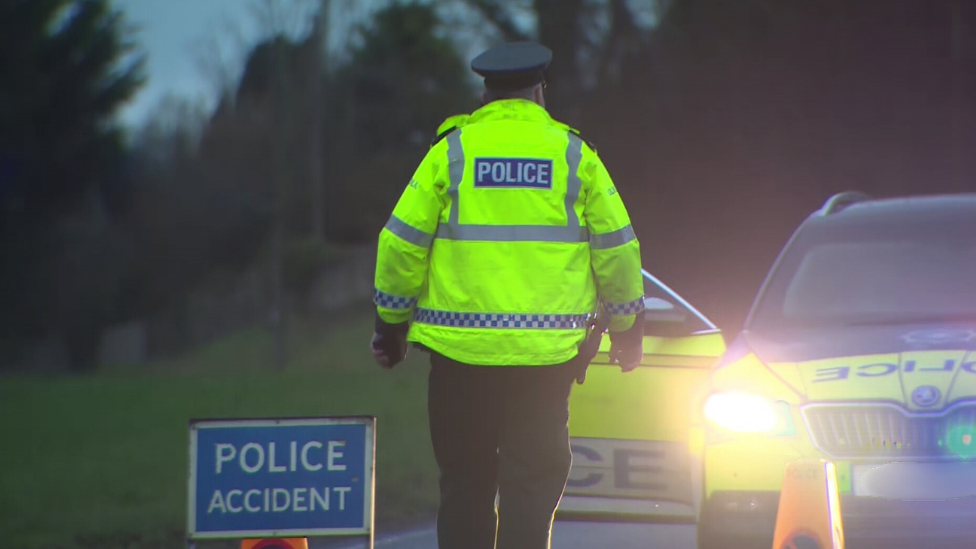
{"x": 875, "y": 273}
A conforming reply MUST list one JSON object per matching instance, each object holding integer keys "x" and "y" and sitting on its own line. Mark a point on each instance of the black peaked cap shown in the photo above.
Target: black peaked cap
{"x": 513, "y": 66}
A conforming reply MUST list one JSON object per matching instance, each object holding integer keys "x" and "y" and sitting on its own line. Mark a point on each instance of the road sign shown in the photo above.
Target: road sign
{"x": 278, "y": 478}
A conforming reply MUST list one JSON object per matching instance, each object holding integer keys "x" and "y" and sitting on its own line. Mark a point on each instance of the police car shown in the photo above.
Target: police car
{"x": 635, "y": 455}
{"x": 860, "y": 348}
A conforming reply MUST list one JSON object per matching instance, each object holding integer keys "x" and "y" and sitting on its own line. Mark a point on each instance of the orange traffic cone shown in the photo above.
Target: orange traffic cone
{"x": 809, "y": 507}
{"x": 275, "y": 543}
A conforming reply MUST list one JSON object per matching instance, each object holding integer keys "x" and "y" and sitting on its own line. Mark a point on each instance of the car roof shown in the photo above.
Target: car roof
{"x": 851, "y": 212}
{"x": 854, "y": 208}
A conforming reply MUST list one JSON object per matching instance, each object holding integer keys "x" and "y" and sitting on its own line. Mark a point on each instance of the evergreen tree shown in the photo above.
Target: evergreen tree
{"x": 63, "y": 74}
{"x": 61, "y": 79}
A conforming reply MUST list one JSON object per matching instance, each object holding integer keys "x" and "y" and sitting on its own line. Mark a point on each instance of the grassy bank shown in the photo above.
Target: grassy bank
{"x": 101, "y": 461}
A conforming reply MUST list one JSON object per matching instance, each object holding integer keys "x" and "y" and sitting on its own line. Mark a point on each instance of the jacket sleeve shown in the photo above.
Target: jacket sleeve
{"x": 405, "y": 241}
{"x": 614, "y": 249}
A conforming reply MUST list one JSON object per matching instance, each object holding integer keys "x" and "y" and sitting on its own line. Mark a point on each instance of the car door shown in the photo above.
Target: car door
{"x": 632, "y": 433}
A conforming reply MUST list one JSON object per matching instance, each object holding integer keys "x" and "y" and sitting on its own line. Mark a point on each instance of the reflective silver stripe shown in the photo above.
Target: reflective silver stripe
{"x": 612, "y": 240}
{"x": 390, "y": 301}
{"x": 574, "y": 155}
{"x": 513, "y": 233}
{"x": 409, "y": 233}
{"x": 455, "y": 159}
{"x": 493, "y": 320}
{"x": 624, "y": 309}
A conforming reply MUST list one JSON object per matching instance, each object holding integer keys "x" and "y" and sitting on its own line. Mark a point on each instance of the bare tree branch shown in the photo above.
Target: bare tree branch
{"x": 291, "y": 18}
{"x": 221, "y": 66}
{"x": 500, "y": 16}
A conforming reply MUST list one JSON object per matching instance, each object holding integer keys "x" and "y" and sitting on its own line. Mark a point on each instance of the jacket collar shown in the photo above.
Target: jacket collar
{"x": 511, "y": 109}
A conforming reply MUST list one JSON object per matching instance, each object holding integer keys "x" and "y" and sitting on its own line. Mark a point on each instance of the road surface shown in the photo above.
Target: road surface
{"x": 565, "y": 535}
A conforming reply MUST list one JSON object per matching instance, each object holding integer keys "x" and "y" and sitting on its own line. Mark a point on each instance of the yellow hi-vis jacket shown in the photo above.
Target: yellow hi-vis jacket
{"x": 504, "y": 242}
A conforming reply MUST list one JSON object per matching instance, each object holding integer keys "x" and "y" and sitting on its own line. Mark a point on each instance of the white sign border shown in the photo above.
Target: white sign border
{"x": 369, "y": 516}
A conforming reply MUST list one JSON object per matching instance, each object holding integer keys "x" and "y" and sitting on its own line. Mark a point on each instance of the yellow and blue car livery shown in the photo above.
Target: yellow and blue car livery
{"x": 860, "y": 349}
{"x": 632, "y": 433}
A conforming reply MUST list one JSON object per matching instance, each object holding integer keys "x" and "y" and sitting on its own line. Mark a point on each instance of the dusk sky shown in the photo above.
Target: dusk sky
{"x": 186, "y": 39}
{"x": 177, "y": 34}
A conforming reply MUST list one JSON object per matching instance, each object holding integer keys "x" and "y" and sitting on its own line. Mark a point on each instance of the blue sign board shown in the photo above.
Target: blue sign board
{"x": 281, "y": 478}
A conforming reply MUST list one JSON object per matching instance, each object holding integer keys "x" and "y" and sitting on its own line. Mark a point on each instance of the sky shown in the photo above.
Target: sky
{"x": 190, "y": 43}
{"x": 186, "y": 40}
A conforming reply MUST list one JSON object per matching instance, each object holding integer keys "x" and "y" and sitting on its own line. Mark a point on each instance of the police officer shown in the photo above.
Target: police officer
{"x": 508, "y": 237}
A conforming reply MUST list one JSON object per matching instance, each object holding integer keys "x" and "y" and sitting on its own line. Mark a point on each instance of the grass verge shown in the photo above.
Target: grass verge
{"x": 101, "y": 461}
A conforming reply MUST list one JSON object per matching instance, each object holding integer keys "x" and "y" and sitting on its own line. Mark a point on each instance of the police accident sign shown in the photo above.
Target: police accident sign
{"x": 281, "y": 477}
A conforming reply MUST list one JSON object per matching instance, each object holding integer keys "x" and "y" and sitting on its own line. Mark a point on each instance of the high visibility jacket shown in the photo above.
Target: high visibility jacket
{"x": 452, "y": 123}
{"x": 508, "y": 236}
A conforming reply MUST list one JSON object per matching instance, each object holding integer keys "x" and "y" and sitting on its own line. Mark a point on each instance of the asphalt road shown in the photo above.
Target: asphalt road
{"x": 567, "y": 535}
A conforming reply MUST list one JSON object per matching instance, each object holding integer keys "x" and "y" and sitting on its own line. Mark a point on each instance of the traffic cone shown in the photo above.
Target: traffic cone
{"x": 808, "y": 516}
{"x": 275, "y": 543}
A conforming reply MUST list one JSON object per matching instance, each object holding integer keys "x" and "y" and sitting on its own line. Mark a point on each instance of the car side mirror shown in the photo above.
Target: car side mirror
{"x": 663, "y": 319}
{"x": 660, "y": 310}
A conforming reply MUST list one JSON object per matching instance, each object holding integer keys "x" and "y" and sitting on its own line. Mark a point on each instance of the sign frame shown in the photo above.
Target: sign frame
{"x": 369, "y": 475}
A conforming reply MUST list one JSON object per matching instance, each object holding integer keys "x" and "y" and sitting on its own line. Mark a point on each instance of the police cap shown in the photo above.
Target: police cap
{"x": 513, "y": 66}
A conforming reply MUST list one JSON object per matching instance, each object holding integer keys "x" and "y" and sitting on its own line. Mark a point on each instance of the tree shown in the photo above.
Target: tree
{"x": 65, "y": 71}
{"x": 591, "y": 41}
{"x": 765, "y": 108}
{"x": 62, "y": 83}
{"x": 213, "y": 200}
{"x": 403, "y": 77}
{"x": 406, "y": 78}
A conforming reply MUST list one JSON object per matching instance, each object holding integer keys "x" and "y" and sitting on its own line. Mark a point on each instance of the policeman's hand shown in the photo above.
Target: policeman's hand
{"x": 628, "y": 356}
{"x": 389, "y": 350}
{"x": 389, "y": 343}
{"x": 627, "y": 347}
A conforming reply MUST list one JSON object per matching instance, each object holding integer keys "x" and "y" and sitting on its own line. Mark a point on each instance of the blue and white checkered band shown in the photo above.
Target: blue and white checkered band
{"x": 623, "y": 309}
{"x": 390, "y": 301}
{"x": 491, "y": 320}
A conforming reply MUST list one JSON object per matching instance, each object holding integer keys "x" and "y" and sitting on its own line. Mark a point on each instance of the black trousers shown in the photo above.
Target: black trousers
{"x": 499, "y": 430}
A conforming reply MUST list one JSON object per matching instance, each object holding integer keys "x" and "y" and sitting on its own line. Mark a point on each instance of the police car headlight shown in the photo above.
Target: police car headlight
{"x": 742, "y": 412}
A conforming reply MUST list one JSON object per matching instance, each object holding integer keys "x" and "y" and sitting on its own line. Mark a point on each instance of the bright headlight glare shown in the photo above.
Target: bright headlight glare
{"x": 741, "y": 412}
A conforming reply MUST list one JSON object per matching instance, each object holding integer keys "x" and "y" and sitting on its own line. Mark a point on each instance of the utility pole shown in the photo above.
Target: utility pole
{"x": 319, "y": 56}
